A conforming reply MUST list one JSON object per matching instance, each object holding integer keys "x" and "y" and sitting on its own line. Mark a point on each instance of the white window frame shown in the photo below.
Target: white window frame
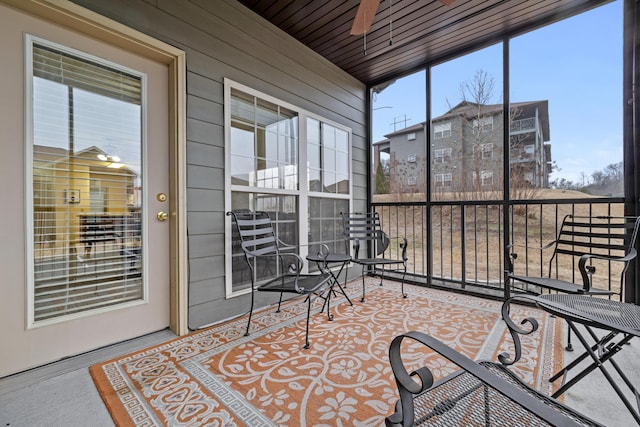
{"x": 411, "y": 158}
{"x": 486, "y": 124}
{"x": 411, "y": 180}
{"x": 486, "y": 178}
{"x": 484, "y": 151}
{"x": 442, "y": 155}
{"x": 411, "y": 136}
{"x": 443, "y": 180}
{"x": 303, "y": 193}
{"x": 442, "y": 130}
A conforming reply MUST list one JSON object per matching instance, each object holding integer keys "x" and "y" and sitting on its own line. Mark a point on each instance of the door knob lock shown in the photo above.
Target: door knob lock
{"x": 162, "y": 216}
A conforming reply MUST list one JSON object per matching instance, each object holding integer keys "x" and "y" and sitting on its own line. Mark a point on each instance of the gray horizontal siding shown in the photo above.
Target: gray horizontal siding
{"x": 224, "y": 39}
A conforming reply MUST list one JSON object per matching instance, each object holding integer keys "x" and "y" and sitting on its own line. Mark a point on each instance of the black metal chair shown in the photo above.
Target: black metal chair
{"x": 591, "y": 243}
{"x": 584, "y": 241}
{"x": 365, "y": 227}
{"x": 260, "y": 244}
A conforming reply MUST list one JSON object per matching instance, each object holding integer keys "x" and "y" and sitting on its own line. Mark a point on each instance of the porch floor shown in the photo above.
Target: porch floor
{"x": 63, "y": 393}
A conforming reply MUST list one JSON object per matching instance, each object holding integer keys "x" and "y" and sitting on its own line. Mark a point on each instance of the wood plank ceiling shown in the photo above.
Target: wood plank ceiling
{"x": 408, "y": 34}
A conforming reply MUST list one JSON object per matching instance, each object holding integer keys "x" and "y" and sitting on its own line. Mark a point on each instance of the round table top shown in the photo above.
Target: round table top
{"x": 331, "y": 257}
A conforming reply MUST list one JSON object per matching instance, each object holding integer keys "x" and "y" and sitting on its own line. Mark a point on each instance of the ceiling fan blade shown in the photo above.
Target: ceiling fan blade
{"x": 447, "y": 2}
{"x": 364, "y": 16}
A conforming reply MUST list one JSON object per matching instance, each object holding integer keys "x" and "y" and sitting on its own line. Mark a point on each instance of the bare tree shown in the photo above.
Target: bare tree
{"x": 477, "y": 144}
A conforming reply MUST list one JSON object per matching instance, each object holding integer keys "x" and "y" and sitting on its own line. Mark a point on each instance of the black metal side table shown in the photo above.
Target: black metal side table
{"x": 621, "y": 319}
{"x": 323, "y": 262}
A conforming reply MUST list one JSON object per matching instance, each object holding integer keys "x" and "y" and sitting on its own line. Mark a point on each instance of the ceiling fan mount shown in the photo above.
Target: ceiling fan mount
{"x": 367, "y": 12}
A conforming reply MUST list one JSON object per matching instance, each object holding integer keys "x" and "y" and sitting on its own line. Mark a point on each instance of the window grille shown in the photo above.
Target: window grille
{"x": 442, "y": 130}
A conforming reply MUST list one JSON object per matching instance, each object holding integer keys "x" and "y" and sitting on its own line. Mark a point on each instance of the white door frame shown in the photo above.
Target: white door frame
{"x": 89, "y": 23}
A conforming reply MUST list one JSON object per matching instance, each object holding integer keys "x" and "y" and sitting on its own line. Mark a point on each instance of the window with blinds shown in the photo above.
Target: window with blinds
{"x": 86, "y": 177}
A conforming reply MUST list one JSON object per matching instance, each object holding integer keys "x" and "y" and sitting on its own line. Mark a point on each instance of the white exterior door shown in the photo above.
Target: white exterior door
{"x": 84, "y": 157}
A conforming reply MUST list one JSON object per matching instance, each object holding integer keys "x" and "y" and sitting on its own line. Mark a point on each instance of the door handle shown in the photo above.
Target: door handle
{"x": 162, "y": 216}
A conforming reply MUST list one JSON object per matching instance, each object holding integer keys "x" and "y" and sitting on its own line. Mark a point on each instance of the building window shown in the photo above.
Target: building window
{"x": 484, "y": 151}
{"x": 411, "y": 158}
{"x": 411, "y": 136}
{"x": 486, "y": 178}
{"x": 528, "y": 176}
{"x": 442, "y": 130}
{"x": 411, "y": 180}
{"x": 303, "y": 190}
{"x": 442, "y": 155}
{"x": 485, "y": 123}
{"x": 529, "y": 149}
{"x": 443, "y": 180}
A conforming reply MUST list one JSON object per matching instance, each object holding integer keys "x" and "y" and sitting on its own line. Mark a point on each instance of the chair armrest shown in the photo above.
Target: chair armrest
{"x": 515, "y": 332}
{"x": 586, "y": 270}
{"x": 293, "y": 268}
{"x": 384, "y": 237}
{"x": 404, "y": 244}
{"x": 408, "y": 387}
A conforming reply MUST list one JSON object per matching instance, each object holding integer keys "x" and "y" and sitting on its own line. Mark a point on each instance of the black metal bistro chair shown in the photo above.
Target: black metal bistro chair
{"x": 365, "y": 227}
{"x": 261, "y": 247}
{"x": 592, "y": 243}
{"x": 583, "y": 242}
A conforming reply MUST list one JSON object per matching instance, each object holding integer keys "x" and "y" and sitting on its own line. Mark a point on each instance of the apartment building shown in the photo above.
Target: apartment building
{"x": 467, "y": 149}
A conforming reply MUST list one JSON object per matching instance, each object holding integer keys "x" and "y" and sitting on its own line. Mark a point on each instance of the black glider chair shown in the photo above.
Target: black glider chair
{"x": 261, "y": 247}
{"x": 365, "y": 228}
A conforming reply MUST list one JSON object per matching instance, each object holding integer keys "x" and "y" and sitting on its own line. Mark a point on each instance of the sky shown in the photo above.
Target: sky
{"x": 575, "y": 64}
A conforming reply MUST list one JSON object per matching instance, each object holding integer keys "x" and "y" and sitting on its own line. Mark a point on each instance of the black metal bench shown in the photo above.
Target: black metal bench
{"x": 478, "y": 394}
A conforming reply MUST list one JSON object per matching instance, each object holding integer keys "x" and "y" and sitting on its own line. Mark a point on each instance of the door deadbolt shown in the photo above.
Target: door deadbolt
{"x": 161, "y": 197}
{"x": 162, "y": 216}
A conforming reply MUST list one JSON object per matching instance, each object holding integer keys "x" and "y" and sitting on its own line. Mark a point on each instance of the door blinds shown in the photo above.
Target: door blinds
{"x": 86, "y": 175}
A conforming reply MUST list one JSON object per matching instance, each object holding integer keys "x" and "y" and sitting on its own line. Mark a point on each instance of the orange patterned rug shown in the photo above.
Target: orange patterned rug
{"x": 216, "y": 376}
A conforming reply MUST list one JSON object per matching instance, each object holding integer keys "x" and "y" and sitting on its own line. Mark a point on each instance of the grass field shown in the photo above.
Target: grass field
{"x": 473, "y": 241}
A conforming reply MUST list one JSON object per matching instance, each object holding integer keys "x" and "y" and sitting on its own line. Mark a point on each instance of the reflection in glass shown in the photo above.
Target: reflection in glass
{"x": 326, "y": 224}
{"x": 328, "y": 158}
{"x": 283, "y": 213}
{"x": 264, "y": 143}
{"x": 87, "y": 184}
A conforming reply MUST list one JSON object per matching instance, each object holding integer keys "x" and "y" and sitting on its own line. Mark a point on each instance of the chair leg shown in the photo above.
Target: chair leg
{"x": 306, "y": 337}
{"x": 328, "y": 301}
{"x": 250, "y": 312}
{"x": 404, "y": 273}
{"x": 569, "y": 346}
{"x": 363, "y": 286}
{"x": 279, "y": 302}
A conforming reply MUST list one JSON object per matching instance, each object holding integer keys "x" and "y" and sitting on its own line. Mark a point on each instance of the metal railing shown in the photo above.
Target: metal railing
{"x": 523, "y": 125}
{"x": 461, "y": 244}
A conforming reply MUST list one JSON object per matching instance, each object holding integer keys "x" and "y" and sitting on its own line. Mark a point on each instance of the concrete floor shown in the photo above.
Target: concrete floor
{"x": 63, "y": 394}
